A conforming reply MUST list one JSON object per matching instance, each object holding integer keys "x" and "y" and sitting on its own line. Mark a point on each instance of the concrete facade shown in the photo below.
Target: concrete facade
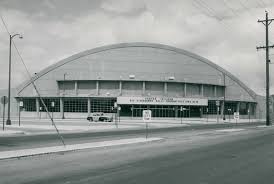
{"x": 137, "y": 69}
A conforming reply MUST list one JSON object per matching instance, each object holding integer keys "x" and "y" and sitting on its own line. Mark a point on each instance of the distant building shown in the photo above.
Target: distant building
{"x": 135, "y": 76}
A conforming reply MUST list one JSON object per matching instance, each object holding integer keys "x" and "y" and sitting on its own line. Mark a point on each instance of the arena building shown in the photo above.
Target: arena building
{"x": 131, "y": 77}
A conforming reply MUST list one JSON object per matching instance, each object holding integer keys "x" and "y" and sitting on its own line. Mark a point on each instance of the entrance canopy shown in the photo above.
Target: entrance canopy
{"x": 162, "y": 101}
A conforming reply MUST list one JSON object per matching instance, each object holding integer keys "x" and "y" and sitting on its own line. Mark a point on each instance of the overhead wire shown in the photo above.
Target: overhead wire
{"x": 213, "y": 13}
{"x": 32, "y": 82}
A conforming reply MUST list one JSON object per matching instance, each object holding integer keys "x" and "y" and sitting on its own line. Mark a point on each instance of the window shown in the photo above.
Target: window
{"x": 230, "y": 107}
{"x": 211, "y": 108}
{"x": 49, "y": 102}
{"x": 102, "y": 104}
{"x": 76, "y": 105}
{"x": 29, "y": 104}
{"x": 252, "y": 108}
{"x": 243, "y": 108}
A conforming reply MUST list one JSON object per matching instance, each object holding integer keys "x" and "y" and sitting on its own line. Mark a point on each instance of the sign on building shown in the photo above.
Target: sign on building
{"x": 146, "y": 115}
{"x": 162, "y": 101}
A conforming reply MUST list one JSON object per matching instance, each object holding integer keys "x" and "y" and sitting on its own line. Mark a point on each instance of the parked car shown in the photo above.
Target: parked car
{"x": 100, "y": 116}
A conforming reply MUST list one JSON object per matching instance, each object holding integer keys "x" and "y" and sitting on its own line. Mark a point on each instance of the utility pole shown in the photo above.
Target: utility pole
{"x": 224, "y": 98}
{"x": 266, "y": 22}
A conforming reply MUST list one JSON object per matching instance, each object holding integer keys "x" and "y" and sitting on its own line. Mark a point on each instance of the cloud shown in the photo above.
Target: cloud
{"x": 226, "y": 34}
{"x": 122, "y": 6}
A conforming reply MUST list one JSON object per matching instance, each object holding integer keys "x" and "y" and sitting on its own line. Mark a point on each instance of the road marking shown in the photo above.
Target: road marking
{"x": 230, "y": 130}
{"x": 264, "y": 126}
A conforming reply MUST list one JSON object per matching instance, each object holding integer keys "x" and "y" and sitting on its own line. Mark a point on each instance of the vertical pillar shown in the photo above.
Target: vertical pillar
{"x": 88, "y": 106}
{"x": 249, "y": 110}
{"x": 120, "y": 88}
{"x": 215, "y": 91}
{"x": 256, "y": 111}
{"x": 37, "y": 106}
{"x": 202, "y": 90}
{"x": 62, "y": 108}
{"x": 238, "y": 107}
{"x": 184, "y": 89}
{"x": 97, "y": 87}
{"x": 165, "y": 88}
{"x": 144, "y": 88}
{"x": 189, "y": 111}
{"x": 176, "y": 111}
{"x": 132, "y": 108}
{"x": 222, "y": 108}
{"x": 76, "y": 88}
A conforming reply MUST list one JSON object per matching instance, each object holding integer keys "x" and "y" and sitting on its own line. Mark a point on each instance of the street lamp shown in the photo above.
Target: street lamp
{"x": 11, "y": 37}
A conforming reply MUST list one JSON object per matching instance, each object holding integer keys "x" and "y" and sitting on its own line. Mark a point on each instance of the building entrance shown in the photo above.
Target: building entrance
{"x": 161, "y": 111}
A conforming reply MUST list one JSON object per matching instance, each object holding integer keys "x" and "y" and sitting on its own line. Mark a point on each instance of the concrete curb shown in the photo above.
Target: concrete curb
{"x": 9, "y": 133}
{"x": 56, "y": 149}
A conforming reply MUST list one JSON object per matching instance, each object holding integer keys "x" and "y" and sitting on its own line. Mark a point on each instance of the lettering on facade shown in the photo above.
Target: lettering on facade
{"x": 161, "y": 101}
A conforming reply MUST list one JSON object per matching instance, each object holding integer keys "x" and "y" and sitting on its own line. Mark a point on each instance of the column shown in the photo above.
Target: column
{"x": 120, "y": 88}
{"x": 165, "y": 88}
{"x": 88, "y": 106}
{"x": 185, "y": 89}
{"x": 176, "y": 111}
{"x": 249, "y": 110}
{"x": 238, "y": 107}
{"x": 76, "y": 88}
{"x": 215, "y": 91}
{"x": 37, "y": 107}
{"x": 62, "y": 108}
{"x": 97, "y": 87}
{"x": 222, "y": 108}
{"x": 144, "y": 88}
{"x": 202, "y": 90}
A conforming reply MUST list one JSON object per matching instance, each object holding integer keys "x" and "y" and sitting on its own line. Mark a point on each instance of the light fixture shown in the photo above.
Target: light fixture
{"x": 171, "y": 78}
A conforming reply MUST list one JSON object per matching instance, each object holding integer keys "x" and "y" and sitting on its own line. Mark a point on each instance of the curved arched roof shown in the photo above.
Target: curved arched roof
{"x": 136, "y": 44}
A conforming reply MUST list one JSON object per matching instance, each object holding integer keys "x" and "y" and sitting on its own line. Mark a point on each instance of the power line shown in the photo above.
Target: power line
{"x": 231, "y": 9}
{"x": 212, "y": 13}
{"x": 32, "y": 82}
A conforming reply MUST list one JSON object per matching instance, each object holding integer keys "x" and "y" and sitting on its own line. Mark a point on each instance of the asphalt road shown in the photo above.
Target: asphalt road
{"x": 43, "y": 140}
{"x": 199, "y": 156}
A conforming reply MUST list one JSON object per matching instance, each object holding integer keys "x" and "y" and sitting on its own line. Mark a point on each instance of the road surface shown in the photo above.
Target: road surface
{"x": 31, "y": 141}
{"x": 198, "y": 156}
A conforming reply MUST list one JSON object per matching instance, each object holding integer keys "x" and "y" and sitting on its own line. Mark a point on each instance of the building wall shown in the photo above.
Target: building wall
{"x": 138, "y": 69}
{"x": 145, "y": 63}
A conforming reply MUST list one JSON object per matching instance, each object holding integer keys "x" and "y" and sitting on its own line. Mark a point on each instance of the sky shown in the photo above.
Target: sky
{"x": 225, "y": 32}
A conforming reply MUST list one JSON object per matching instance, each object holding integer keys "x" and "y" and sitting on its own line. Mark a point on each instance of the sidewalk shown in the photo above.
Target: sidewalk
{"x": 74, "y": 147}
{"x": 44, "y": 126}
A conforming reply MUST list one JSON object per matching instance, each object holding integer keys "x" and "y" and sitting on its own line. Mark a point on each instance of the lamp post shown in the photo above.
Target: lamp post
{"x": 8, "y": 122}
